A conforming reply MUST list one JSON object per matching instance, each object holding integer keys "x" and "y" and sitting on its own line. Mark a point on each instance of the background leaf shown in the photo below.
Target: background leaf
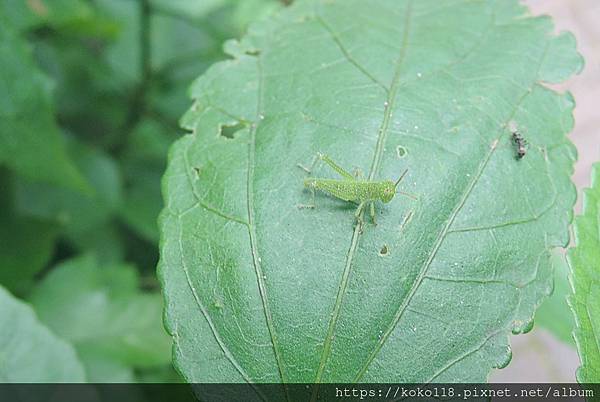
{"x": 76, "y": 15}
{"x": 585, "y": 282}
{"x": 26, "y": 243}
{"x": 30, "y": 352}
{"x": 258, "y": 290}
{"x": 30, "y": 141}
{"x": 26, "y": 246}
{"x": 96, "y": 88}
{"x": 144, "y": 162}
{"x": 100, "y": 310}
{"x": 79, "y": 213}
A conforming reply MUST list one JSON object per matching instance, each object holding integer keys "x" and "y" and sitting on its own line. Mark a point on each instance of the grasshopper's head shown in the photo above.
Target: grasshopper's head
{"x": 389, "y": 188}
{"x": 388, "y": 191}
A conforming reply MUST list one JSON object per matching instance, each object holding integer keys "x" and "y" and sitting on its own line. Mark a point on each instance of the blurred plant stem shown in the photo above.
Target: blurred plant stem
{"x": 137, "y": 105}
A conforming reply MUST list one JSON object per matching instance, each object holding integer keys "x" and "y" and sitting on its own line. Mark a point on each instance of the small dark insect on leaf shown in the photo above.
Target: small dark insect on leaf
{"x": 519, "y": 141}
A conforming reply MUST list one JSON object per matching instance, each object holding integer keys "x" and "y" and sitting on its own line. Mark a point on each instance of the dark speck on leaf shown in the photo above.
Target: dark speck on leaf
{"x": 401, "y": 151}
{"x": 384, "y": 250}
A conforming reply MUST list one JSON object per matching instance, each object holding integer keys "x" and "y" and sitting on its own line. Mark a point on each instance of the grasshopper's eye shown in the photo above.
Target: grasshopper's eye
{"x": 388, "y": 193}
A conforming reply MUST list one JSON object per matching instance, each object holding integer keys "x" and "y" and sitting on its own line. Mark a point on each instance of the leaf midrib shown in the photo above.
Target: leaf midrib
{"x": 389, "y": 106}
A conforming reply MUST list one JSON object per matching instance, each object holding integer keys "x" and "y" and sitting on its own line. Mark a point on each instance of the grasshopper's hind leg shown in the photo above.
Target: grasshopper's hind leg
{"x": 337, "y": 168}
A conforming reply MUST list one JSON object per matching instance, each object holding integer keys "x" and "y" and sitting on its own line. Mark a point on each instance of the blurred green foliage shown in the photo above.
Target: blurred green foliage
{"x": 92, "y": 92}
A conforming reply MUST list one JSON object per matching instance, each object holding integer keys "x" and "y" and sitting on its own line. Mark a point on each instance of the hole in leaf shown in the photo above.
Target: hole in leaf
{"x": 252, "y": 52}
{"x": 229, "y": 131}
{"x": 384, "y": 250}
{"x": 401, "y": 151}
{"x": 198, "y": 171}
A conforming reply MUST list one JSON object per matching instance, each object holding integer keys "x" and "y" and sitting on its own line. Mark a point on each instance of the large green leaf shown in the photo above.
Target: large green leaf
{"x": 101, "y": 311}
{"x": 30, "y": 142}
{"x": 259, "y": 290}
{"x": 29, "y": 352}
{"x": 584, "y": 260}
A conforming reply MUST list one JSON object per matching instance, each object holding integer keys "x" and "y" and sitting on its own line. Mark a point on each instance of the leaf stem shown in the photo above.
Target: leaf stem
{"x": 144, "y": 38}
{"x": 137, "y": 105}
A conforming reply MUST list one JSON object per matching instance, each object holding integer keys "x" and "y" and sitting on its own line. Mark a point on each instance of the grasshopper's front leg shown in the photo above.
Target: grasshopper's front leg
{"x": 373, "y": 213}
{"x": 312, "y": 205}
{"x": 359, "y": 209}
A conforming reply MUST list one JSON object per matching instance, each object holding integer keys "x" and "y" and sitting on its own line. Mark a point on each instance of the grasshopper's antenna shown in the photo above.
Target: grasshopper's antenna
{"x": 400, "y": 179}
{"x": 415, "y": 198}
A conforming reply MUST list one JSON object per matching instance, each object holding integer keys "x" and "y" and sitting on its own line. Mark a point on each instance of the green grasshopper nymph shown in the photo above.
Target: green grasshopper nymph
{"x": 350, "y": 188}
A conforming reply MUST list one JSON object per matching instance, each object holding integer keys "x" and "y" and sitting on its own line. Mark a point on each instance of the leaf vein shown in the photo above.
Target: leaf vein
{"x": 213, "y": 210}
{"x": 205, "y": 314}
{"x": 199, "y": 202}
{"x": 347, "y": 54}
{"x": 463, "y": 356}
{"x": 423, "y": 270}
{"x": 256, "y": 261}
